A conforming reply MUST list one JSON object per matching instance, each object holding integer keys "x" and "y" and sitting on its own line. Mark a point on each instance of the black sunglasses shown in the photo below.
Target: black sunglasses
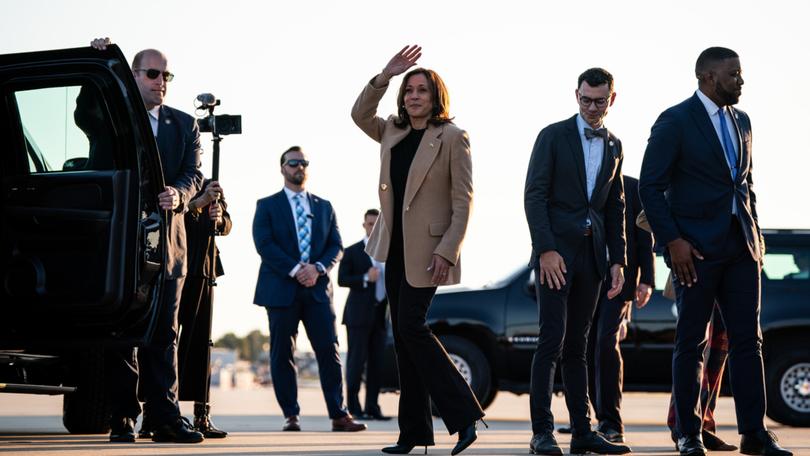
{"x": 295, "y": 163}
{"x": 152, "y": 73}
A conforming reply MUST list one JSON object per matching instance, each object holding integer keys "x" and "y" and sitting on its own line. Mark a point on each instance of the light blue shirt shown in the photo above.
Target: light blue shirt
{"x": 593, "y": 150}
{"x": 714, "y": 112}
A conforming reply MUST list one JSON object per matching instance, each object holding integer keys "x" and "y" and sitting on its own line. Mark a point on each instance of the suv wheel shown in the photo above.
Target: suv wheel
{"x": 471, "y": 364}
{"x": 788, "y": 385}
{"x": 87, "y": 411}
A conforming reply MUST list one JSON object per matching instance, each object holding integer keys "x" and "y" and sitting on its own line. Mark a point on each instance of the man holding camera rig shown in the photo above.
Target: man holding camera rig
{"x": 178, "y": 140}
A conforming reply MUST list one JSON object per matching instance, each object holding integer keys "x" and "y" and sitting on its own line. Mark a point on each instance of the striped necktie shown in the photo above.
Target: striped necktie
{"x": 302, "y": 229}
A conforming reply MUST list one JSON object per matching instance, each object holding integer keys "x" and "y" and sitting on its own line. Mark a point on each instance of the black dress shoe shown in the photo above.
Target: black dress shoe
{"x": 400, "y": 449}
{"x": 545, "y": 444}
{"x": 714, "y": 443}
{"x": 122, "y": 430}
{"x": 611, "y": 435}
{"x": 466, "y": 437}
{"x": 691, "y": 445}
{"x": 292, "y": 423}
{"x": 204, "y": 425}
{"x": 564, "y": 429}
{"x": 180, "y": 431}
{"x": 762, "y": 442}
{"x": 592, "y": 442}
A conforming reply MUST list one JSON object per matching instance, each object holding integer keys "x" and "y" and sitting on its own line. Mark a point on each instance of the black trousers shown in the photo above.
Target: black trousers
{"x": 605, "y": 363}
{"x": 156, "y": 363}
{"x": 565, "y": 320}
{"x": 194, "y": 349}
{"x": 425, "y": 370}
{"x": 365, "y": 352}
{"x": 733, "y": 279}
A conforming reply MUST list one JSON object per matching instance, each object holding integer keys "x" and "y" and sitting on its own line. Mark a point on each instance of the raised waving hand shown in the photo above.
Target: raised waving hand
{"x": 402, "y": 60}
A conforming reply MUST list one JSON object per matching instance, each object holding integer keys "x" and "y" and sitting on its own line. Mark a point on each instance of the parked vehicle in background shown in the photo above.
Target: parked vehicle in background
{"x": 491, "y": 333}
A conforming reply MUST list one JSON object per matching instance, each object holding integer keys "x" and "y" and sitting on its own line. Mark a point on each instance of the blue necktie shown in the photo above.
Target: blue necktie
{"x": 728, "y": 145}
{"x": 302, "y": 229}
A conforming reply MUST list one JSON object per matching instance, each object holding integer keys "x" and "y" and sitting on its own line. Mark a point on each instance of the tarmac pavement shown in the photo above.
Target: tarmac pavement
{"x": 31, "y": 425}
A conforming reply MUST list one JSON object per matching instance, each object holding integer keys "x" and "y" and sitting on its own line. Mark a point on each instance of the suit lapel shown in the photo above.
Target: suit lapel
{"x": 608, "y": 153}
{"x": 575, "y": 145}
{"x": 385, "y": 170}
{"x": 315, "y": 208}
{"x": 425, "y": 155}
{"x": 165, "y": 133}
{"x": 286, "y": 219}
{"x": 704, "y": 123}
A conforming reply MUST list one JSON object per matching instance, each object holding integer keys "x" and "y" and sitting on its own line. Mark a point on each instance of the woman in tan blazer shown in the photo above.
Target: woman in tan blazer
{"x": 425, "y": 191}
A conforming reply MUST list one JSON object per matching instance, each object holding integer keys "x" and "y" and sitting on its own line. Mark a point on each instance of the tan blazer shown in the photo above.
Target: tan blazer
{"x": 438, "y": 192}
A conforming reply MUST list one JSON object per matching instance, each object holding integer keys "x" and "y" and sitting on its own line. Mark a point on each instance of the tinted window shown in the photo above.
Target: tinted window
{"x": 65, "y": 128}
{"x": 787, "y": 264}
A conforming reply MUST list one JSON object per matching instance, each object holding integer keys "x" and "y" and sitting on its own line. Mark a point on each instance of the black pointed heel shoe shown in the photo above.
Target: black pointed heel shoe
{"x": 400, "y": 449}
{"x": 466, "y": 437}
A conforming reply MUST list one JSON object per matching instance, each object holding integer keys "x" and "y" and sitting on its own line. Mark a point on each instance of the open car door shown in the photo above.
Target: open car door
{"x": 83, "y": 243}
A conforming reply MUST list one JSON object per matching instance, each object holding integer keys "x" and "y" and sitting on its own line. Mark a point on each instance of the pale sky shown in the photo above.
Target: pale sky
{"x": 294, "y": 69}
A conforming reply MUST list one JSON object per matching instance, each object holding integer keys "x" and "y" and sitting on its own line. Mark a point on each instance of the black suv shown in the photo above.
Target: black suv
{"x": 491, "y": 333}
{"x": 83, "y": 241}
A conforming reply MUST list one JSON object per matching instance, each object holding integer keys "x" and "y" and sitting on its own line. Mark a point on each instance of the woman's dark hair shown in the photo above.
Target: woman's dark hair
{"x": 438, "y": 93}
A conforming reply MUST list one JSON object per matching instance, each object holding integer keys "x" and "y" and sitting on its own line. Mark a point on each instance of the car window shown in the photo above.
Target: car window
{"x": 787, "y": 264}
{"x": 661, "y": 272}
{"x": 66, "y": 128}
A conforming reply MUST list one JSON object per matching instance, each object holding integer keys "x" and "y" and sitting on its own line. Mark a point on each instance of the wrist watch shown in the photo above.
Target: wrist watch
{"x": 320, "y": 268}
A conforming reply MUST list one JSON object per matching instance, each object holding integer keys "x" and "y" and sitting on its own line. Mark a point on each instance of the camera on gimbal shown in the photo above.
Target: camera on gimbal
{"x": 218, "y": 125}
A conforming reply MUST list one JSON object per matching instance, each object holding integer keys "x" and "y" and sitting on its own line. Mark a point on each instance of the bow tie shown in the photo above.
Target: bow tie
{"x": 590, "y": 133}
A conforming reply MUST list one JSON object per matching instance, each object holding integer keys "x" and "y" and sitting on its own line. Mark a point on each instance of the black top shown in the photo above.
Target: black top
{"x": 401, "y": 158}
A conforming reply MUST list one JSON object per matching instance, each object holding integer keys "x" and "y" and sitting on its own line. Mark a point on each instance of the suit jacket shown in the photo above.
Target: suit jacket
{"x": 178, "y": 141}
{"x": 359, "y": 310}
{"x": 640, "y": 254}
{"x": 438, "y": 192}
{"x": 686, "y": 186}
{"x": 556, "y": 197}
{"x": 274, "y": 234}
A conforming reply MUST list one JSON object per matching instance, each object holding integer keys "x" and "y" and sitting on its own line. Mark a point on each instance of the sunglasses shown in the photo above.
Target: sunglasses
{"x": 152, "y": 73}
{"x": 295, "y": 163}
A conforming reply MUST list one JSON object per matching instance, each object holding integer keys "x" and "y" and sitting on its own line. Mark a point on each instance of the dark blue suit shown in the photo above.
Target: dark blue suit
{"x": 288, "y": 303}
{"x": 687, "y": 191}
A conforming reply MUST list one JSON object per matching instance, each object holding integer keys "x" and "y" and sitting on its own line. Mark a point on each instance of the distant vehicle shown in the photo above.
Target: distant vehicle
{"x": 491, "y": 333}
{"x": 83, "y": 244}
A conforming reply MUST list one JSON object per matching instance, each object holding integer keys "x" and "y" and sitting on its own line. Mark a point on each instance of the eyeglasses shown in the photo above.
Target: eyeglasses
{"x": 152, "y": 73}
{"x": 599, "y": 102}
{"x": 295, "y": 163}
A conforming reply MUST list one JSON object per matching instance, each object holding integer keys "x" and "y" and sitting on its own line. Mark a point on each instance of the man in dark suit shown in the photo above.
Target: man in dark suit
{"x": 697, "y": 191}
{"x": 574, "y": 205}
{"x": 297, "y": 237}
{"x": 178, "y": 141}
{"x": 365, "y": 320}
{"x": 604, "y": 357}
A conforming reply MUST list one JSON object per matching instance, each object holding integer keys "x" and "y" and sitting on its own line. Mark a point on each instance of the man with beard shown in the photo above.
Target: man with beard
{"x": 697, "y": 192}
{"x": 296, "y": 235}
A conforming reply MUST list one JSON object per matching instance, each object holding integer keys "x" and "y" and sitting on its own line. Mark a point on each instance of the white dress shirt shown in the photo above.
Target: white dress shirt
{"x": 714, "y": 115}
{"x": 154, "y": 116}
{"x": 379, "y": 285}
